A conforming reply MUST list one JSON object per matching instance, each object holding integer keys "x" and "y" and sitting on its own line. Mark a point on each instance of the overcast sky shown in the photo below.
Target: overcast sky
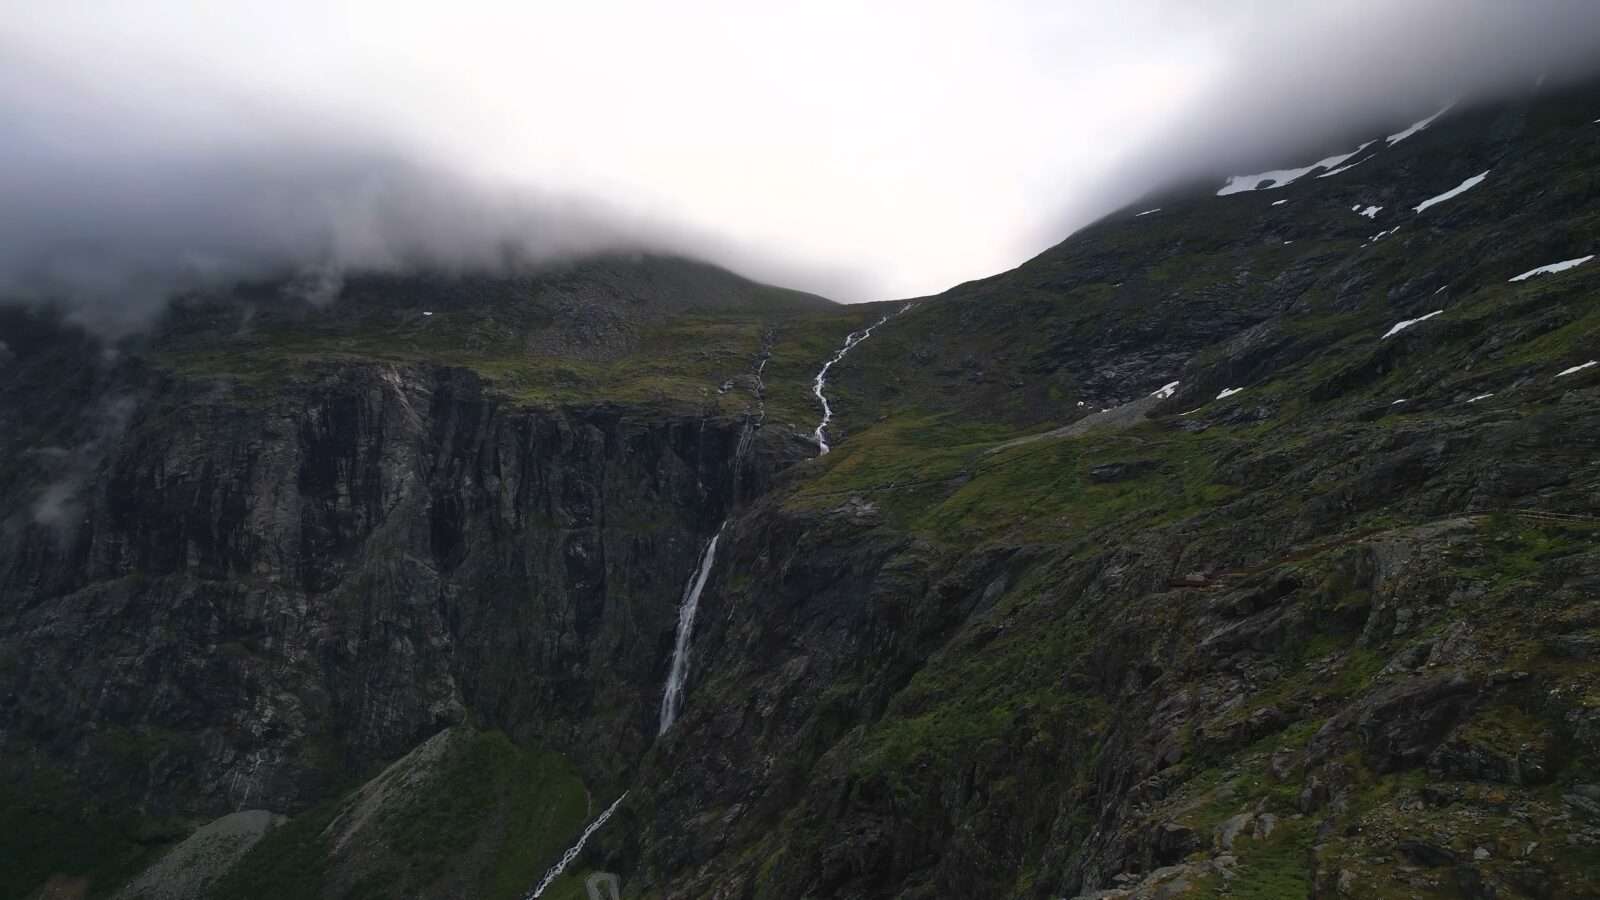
{"x": 866, "y": 150}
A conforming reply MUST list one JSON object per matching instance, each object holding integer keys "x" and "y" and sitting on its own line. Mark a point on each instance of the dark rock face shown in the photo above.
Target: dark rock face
{"x": 1424, "y": 854}
{"x": 276, "y": 590}
{"x": 1399, "y": 726}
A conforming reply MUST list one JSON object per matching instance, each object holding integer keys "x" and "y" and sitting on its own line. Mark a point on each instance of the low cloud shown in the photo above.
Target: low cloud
{"x": 1301, "y": 82}
{"x": 59, "y": 504}
{"x": 156, "y": 146}
{"x": 109, "y": 216}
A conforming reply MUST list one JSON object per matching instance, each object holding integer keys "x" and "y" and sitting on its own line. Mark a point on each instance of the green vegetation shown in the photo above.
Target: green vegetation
{"x": 48, "y": 827}
{"x": 52, "y": 824}
{"x": 939, "y": 478}
{"x": 801, "y": 346}
{"x": 487, "y": 815}
{"x": 651, "y": 331}
{"x": 1277, "y": 867}
{"x": 683, "y": 361}
{"x": 1517, "y": 549}
{"x": 292, "y": 860}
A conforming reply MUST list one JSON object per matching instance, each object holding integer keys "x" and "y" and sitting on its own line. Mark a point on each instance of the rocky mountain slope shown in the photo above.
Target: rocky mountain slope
{"x": 1245, "y": 544}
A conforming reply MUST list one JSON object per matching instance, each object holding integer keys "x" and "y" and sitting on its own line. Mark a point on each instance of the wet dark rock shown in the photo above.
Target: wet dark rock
{"x": 1313, "y": 796}
{"x": 1423, "y": 853}
{"x": 1400, "y": 725}
{"x": 1173, "y": 842}
{"x": 351, "y": 566}
{"x": 1574, "y": 646}
{"x": 1530, "y": 761}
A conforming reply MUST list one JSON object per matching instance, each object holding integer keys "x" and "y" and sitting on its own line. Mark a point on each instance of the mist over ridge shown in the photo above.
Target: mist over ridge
{"x": 125, "y": 184}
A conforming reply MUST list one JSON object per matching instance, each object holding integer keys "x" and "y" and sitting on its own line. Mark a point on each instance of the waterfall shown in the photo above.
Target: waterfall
{"x": 818, "y": 383}
{"x": 573, "y": 851}
{"x": 673, "y": 697}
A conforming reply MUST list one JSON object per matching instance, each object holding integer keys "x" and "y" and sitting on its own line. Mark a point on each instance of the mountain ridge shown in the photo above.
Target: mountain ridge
{"x": 1160, "y": 565}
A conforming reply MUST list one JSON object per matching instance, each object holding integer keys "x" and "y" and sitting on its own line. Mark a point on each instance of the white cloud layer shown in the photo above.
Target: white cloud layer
{"x": 864, "y": 150}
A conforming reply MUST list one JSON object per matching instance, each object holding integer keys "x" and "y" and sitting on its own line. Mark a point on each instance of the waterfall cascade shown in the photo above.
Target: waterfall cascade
{"x": 672, "y": 698}
{"x": 821, "y": 381}
{"x": 689, "y": 605}
{"x": 573, "y": 851}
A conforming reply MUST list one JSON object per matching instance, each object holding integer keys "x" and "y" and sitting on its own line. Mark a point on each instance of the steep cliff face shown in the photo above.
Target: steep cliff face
{"x": 348, "y": 565}
{"x": 224, "y": 596}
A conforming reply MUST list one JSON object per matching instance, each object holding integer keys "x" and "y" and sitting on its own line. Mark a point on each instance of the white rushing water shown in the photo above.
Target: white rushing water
{"x": 575, "y": 849}
{"x": 678, "y": 674}
{"x": 821, "y": 381}
{"x": 672, "y": 699}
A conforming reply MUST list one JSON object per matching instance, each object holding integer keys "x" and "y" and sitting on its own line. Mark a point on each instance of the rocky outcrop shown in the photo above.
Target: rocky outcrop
{"x": 192, "y": 868}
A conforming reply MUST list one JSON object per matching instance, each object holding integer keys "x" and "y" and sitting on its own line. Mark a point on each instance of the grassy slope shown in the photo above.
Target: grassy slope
{"x": 1025, "y": 347}
{"x": 490, "y": 820}
{"x": 647, "y": 331}
{"x": 1279, "y": 477}
{"x": 48, "y": 829}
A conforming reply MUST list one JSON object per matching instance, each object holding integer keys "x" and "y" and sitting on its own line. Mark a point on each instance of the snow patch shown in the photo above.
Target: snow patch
{"x": 1453, "y": 193}
{"x": 1166, "y": 390}
{"x": 1278, "y": 178}
{"x": 1380, "y": 236}
{"x": 1576, "y": 369}
{"x": 1370, "y": 212}
{"x": 1148, "y": 212}
{"x": 1420, "y": 126}
{"x": 1480, "y": 397}
{"x": 1407, "y": 323}
{"x": 1342, "y": 169}
{"x": 1282, "y": 202}
{"x": 1228, "y": 392}
{"x": 1400, "y": 401}
{"x": 1553, "y": 268}
{"x": 426, "y": 313}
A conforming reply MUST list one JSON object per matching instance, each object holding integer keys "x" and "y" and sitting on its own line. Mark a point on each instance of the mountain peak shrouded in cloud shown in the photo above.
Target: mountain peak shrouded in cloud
{"x": 855, "y": 153}
{"x": 1303, "y": 81}
{"x": 111, "y": 206}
